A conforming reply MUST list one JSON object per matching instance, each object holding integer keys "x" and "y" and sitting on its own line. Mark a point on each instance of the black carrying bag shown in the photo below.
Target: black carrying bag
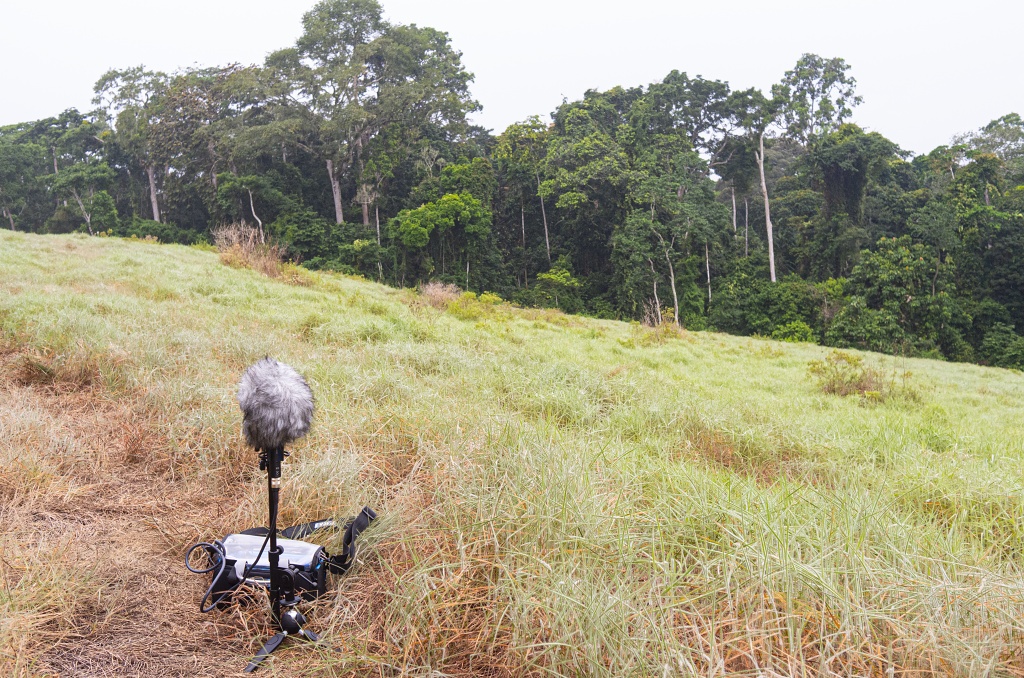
{"x": 340, "y": 563}
{"x": 309, "y": 572}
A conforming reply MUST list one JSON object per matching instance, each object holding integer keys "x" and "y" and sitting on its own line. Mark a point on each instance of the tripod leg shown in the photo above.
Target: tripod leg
{"x": 271, "y": 645}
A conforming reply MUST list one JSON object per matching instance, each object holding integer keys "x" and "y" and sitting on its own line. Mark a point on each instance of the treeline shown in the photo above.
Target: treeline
{"x": 683, "y": 201}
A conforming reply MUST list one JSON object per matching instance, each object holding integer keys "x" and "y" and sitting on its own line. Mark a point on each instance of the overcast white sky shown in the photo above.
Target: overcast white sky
{"x": 926, "y": 70}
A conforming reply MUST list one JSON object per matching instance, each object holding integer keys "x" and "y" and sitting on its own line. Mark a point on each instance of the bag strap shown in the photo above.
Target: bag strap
{"x": 306, "y": 529}
{"x": 341, "y": 563}
{"x": 295, "y": 531}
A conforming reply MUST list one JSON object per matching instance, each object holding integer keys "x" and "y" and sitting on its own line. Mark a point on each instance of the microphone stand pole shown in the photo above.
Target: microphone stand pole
{"x": 281, "y": 589}
{"x": 274, "y": 459}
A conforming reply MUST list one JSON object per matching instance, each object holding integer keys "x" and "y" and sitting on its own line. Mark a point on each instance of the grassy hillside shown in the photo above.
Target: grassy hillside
{"x": 558, "y": 495}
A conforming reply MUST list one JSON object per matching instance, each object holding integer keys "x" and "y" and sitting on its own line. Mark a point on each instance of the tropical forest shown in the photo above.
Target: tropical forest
{"x": 750, "y": 212}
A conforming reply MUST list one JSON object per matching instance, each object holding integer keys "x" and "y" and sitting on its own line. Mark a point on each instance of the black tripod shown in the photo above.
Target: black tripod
{"x": 282, "y": 586}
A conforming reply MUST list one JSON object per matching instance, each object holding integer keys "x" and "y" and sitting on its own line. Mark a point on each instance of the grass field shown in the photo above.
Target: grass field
{"x": 558, "y": 495}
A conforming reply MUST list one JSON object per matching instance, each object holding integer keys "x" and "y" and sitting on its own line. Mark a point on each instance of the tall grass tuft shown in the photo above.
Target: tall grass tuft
{"x": 242, "y": 246}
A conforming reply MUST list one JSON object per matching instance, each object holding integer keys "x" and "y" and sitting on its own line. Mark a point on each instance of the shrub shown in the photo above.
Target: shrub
{"x": 900, "y": 299}
{"x": 643, "y": 335}
{"x": 652, "y": 315}
{"x": 439, "y": 294}
{"x": 294, "y": 274}
{"x": 304, "y": 231}
{"x": 466, "y": 307}
{"x": 146, "y": 229}
{"x": 104, "y": 213}
{"x": 557, "y": 288}
{"x": 796, "y": 332}
{"x": 844, "y": 374}
{"x": 1002, "y": 347}
{"x": 655, "y": 336}
{"x": 747, "y": 303}
{"x": 241, "y": 246}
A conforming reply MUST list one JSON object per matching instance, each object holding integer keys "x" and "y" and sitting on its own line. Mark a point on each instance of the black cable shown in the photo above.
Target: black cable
{"x": 221, "y": 562}
{"x": 218, "y": 546}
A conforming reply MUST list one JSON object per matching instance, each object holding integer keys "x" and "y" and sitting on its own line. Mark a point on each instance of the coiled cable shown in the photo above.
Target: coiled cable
{"x": 220, "y": 565}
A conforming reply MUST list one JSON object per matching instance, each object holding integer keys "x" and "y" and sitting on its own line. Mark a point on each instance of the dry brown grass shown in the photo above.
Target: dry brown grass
{"x": 439, "y": 294}
{"x": 241, "y": 246}
{"x": 652, "y": 315}
{"x": 94, "y": 526}
{"x": 43, "y": 368}
{"x": 720, "y": 450}
{"x": 643, "y": 336}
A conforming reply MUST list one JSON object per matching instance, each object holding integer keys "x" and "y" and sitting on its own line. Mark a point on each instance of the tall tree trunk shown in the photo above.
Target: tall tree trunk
{"x": 671, "y": 269}
{"x": 153, "y": 202}
{"x": 10, "y": 218}
{"x": 339, "y": 215}
{"x": 707, "y": 267}
{"x": 544, "y": 216}
{"x": 657, "y": 302}
{"x": 54, "y": 149}
{"x": 733, "y": 191}
{"x": 746, "y": 226}
{"x": 211, "y": 149}
{"x": 252, "y": 208}
{"x": 672, "y": 279}
{"x": 81, "y": 206}
{"x": 767, "y": 211}
{"x": 380, "y": 266}
{"x": 522, "y": 223}
{"x": 366, "y": 213}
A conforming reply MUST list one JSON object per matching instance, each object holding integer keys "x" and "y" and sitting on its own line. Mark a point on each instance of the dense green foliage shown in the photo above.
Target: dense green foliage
{"x": 737, "y": 210}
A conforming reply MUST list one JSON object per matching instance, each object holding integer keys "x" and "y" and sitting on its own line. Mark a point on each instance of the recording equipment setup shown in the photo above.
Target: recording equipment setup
{"x": 277, "y": 409}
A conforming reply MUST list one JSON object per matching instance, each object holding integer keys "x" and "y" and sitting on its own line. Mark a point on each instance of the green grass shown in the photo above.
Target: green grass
{"x": 562, "y": 495}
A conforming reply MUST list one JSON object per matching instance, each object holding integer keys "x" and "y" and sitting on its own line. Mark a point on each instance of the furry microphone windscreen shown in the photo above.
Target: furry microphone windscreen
{"x": 276, "y": 402}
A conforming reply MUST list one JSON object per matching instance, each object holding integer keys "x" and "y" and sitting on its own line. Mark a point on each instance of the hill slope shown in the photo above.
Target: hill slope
{"x": 557, "y": 494}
